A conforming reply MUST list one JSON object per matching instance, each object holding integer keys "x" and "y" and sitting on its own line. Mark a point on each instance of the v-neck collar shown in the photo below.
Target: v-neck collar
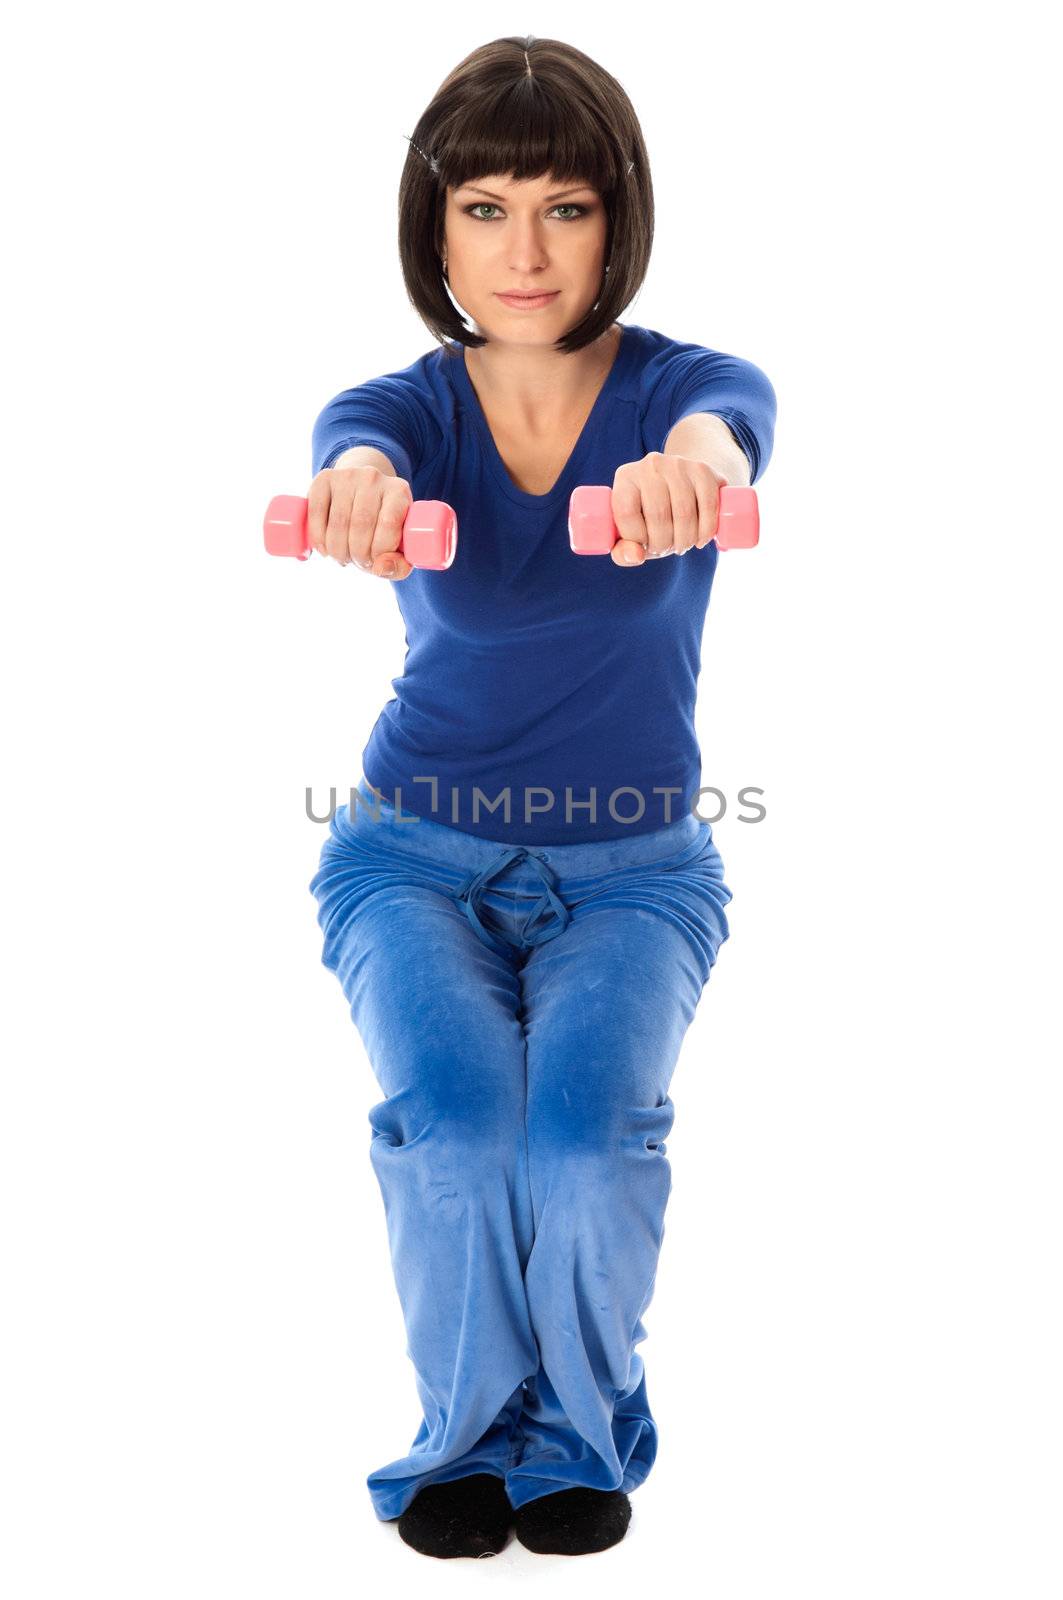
{"x": 469, "y": 399}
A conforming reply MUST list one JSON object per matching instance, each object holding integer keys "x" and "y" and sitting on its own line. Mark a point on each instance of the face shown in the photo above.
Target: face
{"x": 503, "y": 237}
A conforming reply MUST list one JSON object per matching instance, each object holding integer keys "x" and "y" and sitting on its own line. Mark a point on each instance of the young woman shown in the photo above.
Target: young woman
{"x": 521, "y": 901}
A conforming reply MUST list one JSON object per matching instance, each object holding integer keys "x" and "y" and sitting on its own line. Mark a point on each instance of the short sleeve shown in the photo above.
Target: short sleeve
{"x": 388, "y": 413}
{"x": 696, "y": 379}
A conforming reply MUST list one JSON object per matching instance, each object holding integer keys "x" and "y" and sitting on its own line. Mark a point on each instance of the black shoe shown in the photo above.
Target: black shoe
{"x": 573, "y": 1522}
{"x": 468, "y": 1516}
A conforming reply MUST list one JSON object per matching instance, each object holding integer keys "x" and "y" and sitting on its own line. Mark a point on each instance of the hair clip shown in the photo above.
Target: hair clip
{"x": 432, "y": 162}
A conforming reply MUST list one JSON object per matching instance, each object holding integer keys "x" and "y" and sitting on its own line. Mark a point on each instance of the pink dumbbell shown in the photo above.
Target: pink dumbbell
{"x": 429, "y": 533}
{"x": 592, "y": 531}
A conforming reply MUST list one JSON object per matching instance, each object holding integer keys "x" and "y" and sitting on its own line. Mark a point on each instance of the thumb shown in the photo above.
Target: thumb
{"x": 628, "y": 553}
{"x": 390, "y": 564}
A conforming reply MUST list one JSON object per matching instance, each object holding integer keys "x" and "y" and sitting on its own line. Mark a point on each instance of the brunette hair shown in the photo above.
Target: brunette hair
{"x": 526, "y": 107}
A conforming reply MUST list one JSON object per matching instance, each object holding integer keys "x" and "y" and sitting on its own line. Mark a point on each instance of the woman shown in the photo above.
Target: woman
{"x": 521, "y": 902}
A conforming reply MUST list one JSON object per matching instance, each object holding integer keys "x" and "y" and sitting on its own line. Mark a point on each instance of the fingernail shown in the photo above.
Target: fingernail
{"x": 630, "y": 557}
{"x": 388, "y": 569}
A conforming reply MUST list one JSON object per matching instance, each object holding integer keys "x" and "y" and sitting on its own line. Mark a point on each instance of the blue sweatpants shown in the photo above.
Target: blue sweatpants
{"x": 522, "y": 1010}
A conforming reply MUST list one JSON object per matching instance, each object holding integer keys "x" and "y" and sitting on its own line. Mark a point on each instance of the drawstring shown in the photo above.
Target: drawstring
{"x": 471, "y": 896}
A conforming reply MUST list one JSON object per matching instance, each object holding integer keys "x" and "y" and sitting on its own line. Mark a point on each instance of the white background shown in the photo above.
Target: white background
{"x": 853, "y": 1351}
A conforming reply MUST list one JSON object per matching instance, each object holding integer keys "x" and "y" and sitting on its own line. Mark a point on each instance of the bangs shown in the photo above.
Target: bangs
{"x": 525, "y": 132}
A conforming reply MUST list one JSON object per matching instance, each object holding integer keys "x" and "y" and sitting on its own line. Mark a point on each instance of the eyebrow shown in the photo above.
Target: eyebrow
{"x": 475, "y": 189}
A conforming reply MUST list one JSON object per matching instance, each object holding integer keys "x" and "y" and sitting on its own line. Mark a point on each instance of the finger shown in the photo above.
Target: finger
{"x": 708, "y": 491}
{"x": 625, "y": 505}
{"x": 685, "y": 524}
{"x": 361, "y": 522}
{"x": 657, "y": 514}
{"x": 391, "y": 566}
{"x": 628, "y": 553}
{"x": 337, "y": 528}
{"x": 387, "y": 559}
{"x": 318, "y": 499}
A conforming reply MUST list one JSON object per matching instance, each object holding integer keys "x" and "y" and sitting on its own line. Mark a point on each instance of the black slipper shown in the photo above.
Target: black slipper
{"x": 468, "y": 1516}
{"x": 573, "y": 1522}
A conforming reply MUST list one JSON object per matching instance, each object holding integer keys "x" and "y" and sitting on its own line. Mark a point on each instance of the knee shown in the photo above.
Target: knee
{"x": 470, "y": 1130}
{"x": 599, "y": 1130}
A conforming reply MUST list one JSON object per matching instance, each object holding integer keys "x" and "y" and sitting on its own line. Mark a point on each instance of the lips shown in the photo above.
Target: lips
{"x": 530, "y": 299}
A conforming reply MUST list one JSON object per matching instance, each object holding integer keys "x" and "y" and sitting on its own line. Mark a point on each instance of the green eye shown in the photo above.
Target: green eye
{"x": 485, "y": 205}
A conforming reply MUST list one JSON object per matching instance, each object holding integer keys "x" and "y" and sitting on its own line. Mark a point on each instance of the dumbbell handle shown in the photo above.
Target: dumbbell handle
{"x": 592, "y": 531}
{"x": 429, "y": 532}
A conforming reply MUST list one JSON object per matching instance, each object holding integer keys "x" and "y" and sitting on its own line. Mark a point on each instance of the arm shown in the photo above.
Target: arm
{"x": 386, "y": 417}
{"x": 701, "y": 436}
{"x": 365, "y": 455}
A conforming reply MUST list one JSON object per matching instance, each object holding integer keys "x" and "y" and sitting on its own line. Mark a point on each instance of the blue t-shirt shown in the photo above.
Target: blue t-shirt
{"x": 543, "y": 679}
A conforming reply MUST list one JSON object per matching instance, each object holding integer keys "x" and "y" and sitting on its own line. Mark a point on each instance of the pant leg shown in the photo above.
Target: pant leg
{"x": 437, "y": 1012}
{"x": 606, "y": 1008}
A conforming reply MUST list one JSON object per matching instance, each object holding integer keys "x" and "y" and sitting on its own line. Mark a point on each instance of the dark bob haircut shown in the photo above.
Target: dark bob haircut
{"x": 526, "y": 108}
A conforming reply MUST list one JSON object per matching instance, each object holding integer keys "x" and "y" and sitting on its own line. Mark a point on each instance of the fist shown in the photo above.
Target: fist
{"x": 663, "y": 506}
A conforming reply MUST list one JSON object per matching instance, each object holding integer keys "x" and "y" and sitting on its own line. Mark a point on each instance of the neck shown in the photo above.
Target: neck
{"x": 538, "y": 385}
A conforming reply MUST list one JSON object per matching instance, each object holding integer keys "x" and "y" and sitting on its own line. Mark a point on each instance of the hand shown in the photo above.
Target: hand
{"x": 356, "y": 514}
{"x": 663, "y": 506}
